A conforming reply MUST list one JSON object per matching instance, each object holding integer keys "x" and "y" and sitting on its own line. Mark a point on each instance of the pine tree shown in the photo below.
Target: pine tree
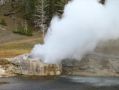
{"x": 28, "y": 8}
{"x": 41, "y": 16}
{"x": 60, "y": 6}
{"x": 45, "y": 10}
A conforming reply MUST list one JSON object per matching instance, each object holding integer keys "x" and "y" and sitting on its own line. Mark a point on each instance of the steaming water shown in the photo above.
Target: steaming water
{"x": 22, "y": 83}
{"x": 84, "y": 24}
{"x": 95, "y": 81}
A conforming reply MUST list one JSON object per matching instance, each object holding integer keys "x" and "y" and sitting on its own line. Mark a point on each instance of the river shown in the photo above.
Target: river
{"x": 60, "y": 83}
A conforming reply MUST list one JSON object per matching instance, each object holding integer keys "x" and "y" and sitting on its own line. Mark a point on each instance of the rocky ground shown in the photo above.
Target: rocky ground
{"x": 22, "y": 65}
{"x": 95, "y": 64}
{"x": 105, "y": 62}
{"x": 6, "y": 68}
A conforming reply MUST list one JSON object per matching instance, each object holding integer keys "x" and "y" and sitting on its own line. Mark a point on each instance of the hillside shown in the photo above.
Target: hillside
{"x": 14, "y": 44}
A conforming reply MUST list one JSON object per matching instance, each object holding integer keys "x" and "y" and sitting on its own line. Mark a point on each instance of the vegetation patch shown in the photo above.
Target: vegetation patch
{"x": 22, "y": 30}
{"x": 4, "y": 62}
{"x": 1, "y": 83}
{"x": 12, "y": 53}
{"x": 2, "y": 22}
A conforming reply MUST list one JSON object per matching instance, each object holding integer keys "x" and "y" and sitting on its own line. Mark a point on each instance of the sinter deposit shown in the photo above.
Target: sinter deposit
{"x": 26, "y": 66}
{"x": 94, "y": 64}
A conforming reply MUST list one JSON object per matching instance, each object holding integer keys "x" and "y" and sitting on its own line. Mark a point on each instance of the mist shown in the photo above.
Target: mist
{"x": 83, "y": 25}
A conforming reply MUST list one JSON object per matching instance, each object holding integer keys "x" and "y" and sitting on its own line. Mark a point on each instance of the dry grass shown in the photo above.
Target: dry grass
{"x": 16, "y": 45}
{"x": 12, "y": 53}
{"x": 13, "y": 44}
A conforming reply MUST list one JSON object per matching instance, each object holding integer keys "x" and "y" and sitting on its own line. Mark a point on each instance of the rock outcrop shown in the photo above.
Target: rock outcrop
{"x": 95, "y": 64}
{"x": 28, "y": 66}
{"x": 22, "y": 65}
{"x": 6, "y": 68}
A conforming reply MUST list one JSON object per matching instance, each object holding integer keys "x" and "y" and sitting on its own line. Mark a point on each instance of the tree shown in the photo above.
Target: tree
{"x": 28, "y": 8}
{"x": 45, "y": 10}
{"x": 41, "y": 15}
{"x": 60, "y": 6}
{"x": 41, "y": 11}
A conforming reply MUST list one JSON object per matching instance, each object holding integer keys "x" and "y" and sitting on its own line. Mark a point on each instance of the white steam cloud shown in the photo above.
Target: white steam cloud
{"x": 83, "y": 25}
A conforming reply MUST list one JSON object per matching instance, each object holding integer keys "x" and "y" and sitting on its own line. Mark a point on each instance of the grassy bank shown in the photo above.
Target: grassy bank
{"x": 12, "y": 44}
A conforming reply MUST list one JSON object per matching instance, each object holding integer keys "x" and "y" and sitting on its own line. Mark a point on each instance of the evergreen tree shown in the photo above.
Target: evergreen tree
{"x": 60, "y": 6}
{"x": 41, "y": 15}
{"x": 28, "y": 8}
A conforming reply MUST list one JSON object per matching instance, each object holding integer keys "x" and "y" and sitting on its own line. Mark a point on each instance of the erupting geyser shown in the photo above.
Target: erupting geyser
{"x": 83, "y": 25}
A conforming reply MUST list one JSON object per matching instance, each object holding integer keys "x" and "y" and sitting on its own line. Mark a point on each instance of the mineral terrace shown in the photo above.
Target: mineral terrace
{"x": 95, "y": 64}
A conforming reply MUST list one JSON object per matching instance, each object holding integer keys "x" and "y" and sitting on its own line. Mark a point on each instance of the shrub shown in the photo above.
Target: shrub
{"x": 2, "y": 22}
{"x": 21, "y": 30}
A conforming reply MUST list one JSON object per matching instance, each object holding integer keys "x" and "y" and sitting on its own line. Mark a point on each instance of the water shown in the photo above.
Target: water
{"x": 61, "y": 83}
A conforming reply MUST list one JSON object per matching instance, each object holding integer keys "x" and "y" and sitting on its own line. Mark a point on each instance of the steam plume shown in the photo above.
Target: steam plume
{"x": 83, "y": 25}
